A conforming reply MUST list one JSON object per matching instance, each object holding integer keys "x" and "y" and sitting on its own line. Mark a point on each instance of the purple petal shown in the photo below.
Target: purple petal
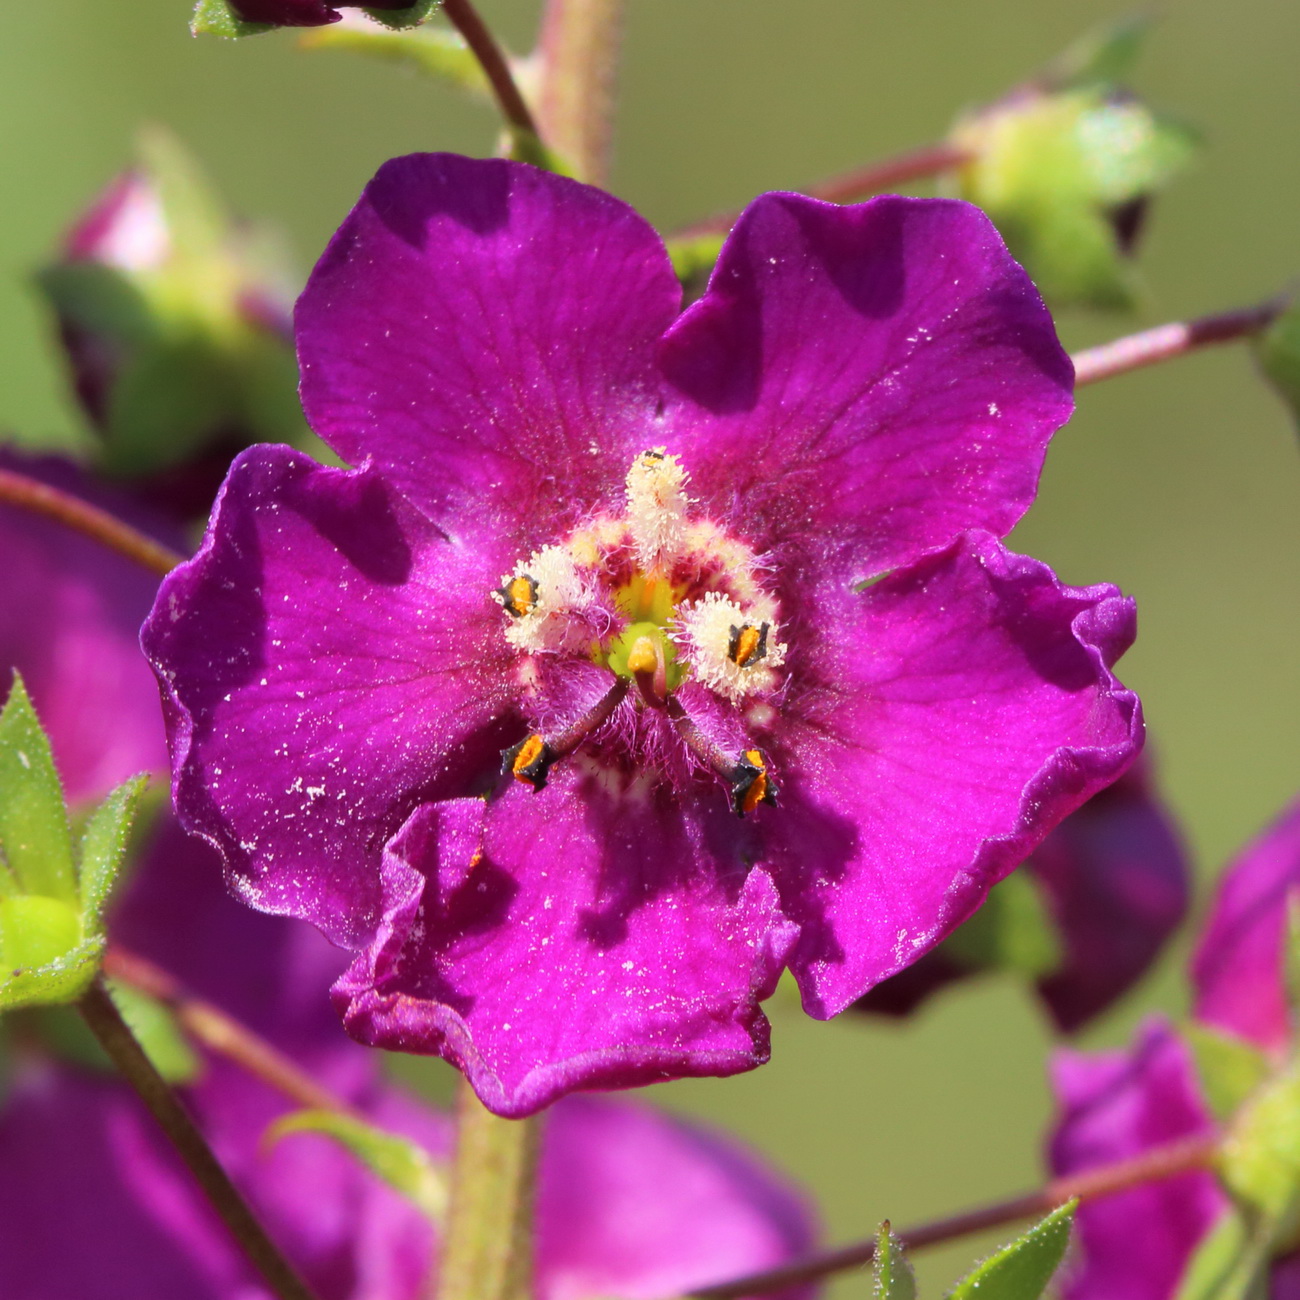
{"x": 1238, "y": 968}
{"x": 1118, "y": 885}
{"x": 938, "y": 726}
{"x": 570, "y": 939}
{"x": 636, "y": 1205}
{"x": 884, "y": 375}
{"x": 1132, "y": 1245}
{"x": 328, "y": 661}
{"x": 70, "y": 612}
{"x": 483, "y": 333}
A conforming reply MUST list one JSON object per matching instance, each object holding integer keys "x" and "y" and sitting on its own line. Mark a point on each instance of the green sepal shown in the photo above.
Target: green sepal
{"x": 1022, "y": 1270}
{"x": 401, "y": 1163}
{"x": 1054, "y": 170}
{"x": 1231, "y": 1262}
{"x": 432, "y": 50}
{"x": 157, "y": 1031}
{"x": 217, "y": 18}
{"x": 1106, "y": 56}
{"x": 1260, "y": 1157}
{"x": 1277, "y": 350}
{"x": 525, "y": 146}
{"x": 35, "y": 838}
{"x": 411, "y": 16}
{"x": 694, "y": 259}
{"x": 1228, "y": 1068}
{"x": 892, "y": 1276}
{"x": 1013, "y": 931}
{"x": 51, "y": 905}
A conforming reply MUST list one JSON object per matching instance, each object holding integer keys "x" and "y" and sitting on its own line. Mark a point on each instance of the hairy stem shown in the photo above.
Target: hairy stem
{"x": 488, "y": 1251}
{"x": 469, "y": 23}
{"x": 115, "y": 1037}
{"x": 1160, "y": 1162}
{"x": 1174, "y": 340}
{"x": 72, "y": 512}
{"x": 223, "y": 1034}
{"x": 856, "y": 184}
{"x": 580, "y": 47}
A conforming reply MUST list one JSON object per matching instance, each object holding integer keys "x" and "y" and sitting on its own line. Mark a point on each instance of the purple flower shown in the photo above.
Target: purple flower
{"x": 1132, "y": 1245}
{"x": 303, "y": 13}
{"x": 1135, "y": 1245}
{"x": 628, "y": 548}
{"x": 70, "y": 611}
{"x": 1115, "y": 882}
{"x": 1238, "y": 970}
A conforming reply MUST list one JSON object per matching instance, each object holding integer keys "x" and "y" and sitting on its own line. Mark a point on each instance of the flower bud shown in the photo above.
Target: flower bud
{"x": 1067, "y": 165}
{"x": 176, "y": 328}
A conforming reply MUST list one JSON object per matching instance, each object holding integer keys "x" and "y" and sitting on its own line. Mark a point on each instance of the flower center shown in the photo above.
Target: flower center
{"x": 659, "y": 598}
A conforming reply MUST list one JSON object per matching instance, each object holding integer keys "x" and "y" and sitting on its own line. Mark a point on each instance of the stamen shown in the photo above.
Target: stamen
{"x": 549, "y": 600}
{"x": 748, "y": 642}
{"x": 729, "y": 650}
{"x": 519, "y": 595}
{"x": 531, "y": 759}
{"x": 656, "y": 505}
{"x": 746, "y": 773}
{"x": 750, "y": 783}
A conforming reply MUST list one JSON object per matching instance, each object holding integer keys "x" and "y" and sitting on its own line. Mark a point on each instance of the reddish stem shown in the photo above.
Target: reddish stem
{"x": 1173, "y": 340}
{"x": 496, "y": 67}
{"x": 856, "y": 184}
{"x": 221, "y": 1033}
{"x": 72, "y": 512}
{"x": 1161, "y": 1162}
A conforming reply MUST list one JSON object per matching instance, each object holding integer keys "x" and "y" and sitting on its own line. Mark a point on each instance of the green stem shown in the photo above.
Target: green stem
{"x": 580, "y": 48}
{"x": 488, "y": 1250}
{"x": 115, "y": 1037}
{"x": 72, "y": 512}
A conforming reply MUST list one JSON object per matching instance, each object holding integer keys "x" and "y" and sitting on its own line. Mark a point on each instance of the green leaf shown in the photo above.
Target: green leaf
{"x": 1022, "y": 1270}
{"x": 44, "y": 956}
{"x": 35, "y": 840}
{"x": 433, "y": 51}
{"x": 399, "y": 1162}
{"x": 1106, "y": 56}
{"x": 1229, "y": 1068}
{"x": 217, "y": 18}
{"x": 156, "y": 1030}
{"x": 1013, "y": 930}
{"x": 1231, "y": 1263}
{"x": 103, "y": 846}
{"x": 892, "y": 1274}
{"x": 1277, "y": 350}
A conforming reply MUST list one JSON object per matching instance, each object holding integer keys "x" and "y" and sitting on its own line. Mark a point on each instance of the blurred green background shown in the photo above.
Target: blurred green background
{"x": 1182, "y": 483}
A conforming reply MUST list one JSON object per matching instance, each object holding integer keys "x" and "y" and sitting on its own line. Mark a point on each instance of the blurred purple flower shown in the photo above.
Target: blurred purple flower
{"x": 1133, "y": 1245}
{"x": 1238, "y": 970}
{"x": 70, "y": 613}
{"x": 1116, "y": 885}
{"x": 628, "y": 547}
{"x": 95, "y": 1205}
